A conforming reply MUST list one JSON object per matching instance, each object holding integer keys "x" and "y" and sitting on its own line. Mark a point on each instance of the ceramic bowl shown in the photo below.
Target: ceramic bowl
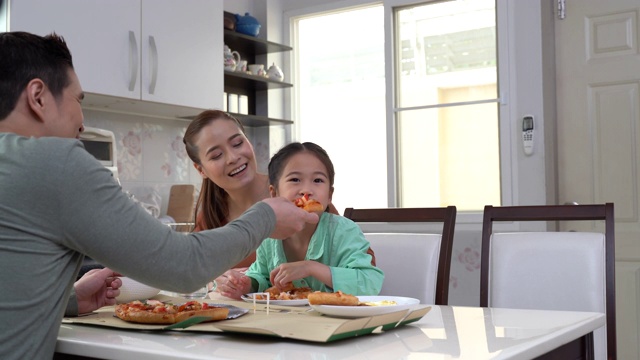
{"x": 134, "y": 290}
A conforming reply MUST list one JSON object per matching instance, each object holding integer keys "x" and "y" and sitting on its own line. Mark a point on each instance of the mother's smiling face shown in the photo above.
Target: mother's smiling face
{"x": 226, "y": 155}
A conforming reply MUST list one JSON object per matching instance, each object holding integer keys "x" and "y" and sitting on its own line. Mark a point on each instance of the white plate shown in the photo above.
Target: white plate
{"x": 249, "y": 298}
{"x": 402, "y": 303}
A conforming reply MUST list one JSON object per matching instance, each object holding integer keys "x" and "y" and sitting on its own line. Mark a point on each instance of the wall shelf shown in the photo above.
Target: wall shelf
{"x": 254, "y": 87}
{"x": 257, "y": 120}
{"x": 234, "y": 79}
{"x": 253, "y": 45}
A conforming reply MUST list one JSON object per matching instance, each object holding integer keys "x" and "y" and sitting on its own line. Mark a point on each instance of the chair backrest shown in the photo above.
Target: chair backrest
{"x": 181, "y": 205}
{"x": 571, "y": 271}
{"x": 403, "y": 256}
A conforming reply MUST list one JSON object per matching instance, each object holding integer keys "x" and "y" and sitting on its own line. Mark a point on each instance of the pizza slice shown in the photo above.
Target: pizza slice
{"x": 337, "y": 298}
{"x": 310, "y": 205}
{"x": 289, "y": 293}
{"x": 158, "y": 312}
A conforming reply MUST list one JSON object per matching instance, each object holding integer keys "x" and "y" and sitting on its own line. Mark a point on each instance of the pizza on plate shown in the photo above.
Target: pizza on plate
{"x": 341, "y": 299}
{"x": 336, "y": 298}
{"x": 289, "y": 293}
{"x": 158, "y": 312}
{"x": 310, "y": 205}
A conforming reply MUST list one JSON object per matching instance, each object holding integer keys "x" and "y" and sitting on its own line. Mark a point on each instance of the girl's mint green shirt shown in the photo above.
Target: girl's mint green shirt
{"x": 337, "y": 242}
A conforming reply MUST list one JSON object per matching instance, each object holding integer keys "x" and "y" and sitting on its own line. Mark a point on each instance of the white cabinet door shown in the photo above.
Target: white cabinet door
{"x": 162, "y": 51}
{"x": 101, "y": 35}
{"x": 182, "y": 52}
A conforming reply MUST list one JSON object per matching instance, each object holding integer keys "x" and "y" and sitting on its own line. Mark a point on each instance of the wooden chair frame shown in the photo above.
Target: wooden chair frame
{"x": 557, "y": 213}
{"x": 446, "y": 215}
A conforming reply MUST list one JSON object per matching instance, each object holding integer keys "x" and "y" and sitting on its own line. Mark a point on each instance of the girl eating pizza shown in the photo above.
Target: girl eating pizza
{"x": 328, "y": 256}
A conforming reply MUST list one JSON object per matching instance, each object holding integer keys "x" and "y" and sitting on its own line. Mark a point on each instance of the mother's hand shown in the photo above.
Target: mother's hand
{"x": 233, "y": 284}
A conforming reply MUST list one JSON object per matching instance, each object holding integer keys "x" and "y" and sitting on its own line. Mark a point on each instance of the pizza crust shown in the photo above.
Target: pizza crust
{"x": 216, "y": 313}
{"x": 145, "y": 317}
{"x": 156, "y": 312}
{"x": 337, "y": 298}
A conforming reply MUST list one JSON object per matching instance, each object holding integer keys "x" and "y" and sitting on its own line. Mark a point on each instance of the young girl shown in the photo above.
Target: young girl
{"x": 328, "y": 256}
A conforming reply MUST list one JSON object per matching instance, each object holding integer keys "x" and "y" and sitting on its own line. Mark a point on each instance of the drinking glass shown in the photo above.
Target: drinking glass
{"x": 201, "y": 293}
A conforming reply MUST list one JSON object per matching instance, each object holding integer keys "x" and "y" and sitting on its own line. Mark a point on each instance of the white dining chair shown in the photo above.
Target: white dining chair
{"x": 415, "y": 265}
{"x": 409, "y": 262}
{"x": 570, "y": 271}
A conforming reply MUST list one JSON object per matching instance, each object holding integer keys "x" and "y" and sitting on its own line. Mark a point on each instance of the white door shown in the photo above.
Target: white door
{"x": 182, "y": 62}
{"x": 101, "y": 35}
{"x": 598, "y": 90}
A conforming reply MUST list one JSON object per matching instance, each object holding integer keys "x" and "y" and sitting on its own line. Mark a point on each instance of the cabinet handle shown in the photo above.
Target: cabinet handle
{"x": 153, "y": 60}
{"x": 133, "y": 60}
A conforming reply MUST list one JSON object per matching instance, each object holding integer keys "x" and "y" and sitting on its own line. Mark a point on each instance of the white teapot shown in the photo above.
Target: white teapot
{"x": 231, "y": 59}
{"x": 275, "y": 73}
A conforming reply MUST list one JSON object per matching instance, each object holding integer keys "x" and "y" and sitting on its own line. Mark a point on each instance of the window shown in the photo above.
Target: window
{"x": 442, "y": 141}
{"x": 446, "y": 117}
{"x": 341, "y": 100}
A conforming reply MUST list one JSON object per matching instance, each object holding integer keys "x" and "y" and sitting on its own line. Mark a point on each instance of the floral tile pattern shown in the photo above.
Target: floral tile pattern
{"x": 130, "y": 153}
{"x": 469, "y": 258}
{"x": 150, "y": 154}
{"x": 464, "y": 279}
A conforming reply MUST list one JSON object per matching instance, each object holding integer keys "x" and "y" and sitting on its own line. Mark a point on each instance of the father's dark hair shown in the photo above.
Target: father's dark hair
{"x": 24, "y": 57}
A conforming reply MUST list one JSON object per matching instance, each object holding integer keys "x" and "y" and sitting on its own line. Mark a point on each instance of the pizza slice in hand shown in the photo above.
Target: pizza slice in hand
{"x": 307, "y": 204}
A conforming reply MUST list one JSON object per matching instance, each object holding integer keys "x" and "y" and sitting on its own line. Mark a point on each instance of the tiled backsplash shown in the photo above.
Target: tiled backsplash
{"x": 151, "y": 156}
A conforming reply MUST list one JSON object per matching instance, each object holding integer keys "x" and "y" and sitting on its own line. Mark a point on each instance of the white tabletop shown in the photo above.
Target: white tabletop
{"x": 450, "y": 332}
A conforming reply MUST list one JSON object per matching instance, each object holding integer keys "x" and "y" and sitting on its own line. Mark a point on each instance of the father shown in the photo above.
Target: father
{"x": 58, "y": 204}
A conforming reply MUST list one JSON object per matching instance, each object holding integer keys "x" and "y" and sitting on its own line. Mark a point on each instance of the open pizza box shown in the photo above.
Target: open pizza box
{"x": 292, "y": 322}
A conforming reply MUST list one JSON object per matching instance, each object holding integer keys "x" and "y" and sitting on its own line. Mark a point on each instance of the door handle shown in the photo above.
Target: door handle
{"x": 154, "y": 64}
{"x": 133, "y": 60}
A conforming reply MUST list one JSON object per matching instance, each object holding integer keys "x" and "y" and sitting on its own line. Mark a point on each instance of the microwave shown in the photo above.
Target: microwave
{"x": 101, "y": 144}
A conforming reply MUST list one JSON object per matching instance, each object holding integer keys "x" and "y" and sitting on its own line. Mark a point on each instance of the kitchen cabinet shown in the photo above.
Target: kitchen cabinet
{"x": 158, "y": 53}
{"x": 256, "y": 88}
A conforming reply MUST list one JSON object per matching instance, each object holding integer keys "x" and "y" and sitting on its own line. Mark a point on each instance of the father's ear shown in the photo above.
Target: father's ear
{"x": 36, "y": 92}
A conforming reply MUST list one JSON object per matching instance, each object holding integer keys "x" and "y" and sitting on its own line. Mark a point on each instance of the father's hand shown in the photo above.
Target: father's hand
{"x": 289, "y": 218}
{"x": 97, "y": 288}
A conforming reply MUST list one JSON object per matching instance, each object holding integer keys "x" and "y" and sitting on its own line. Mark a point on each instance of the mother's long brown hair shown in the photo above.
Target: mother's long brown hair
{"x": 213, "y": 200}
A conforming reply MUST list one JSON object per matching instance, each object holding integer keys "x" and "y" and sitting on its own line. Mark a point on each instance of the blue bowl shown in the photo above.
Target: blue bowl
{"x": 248, "y": 29}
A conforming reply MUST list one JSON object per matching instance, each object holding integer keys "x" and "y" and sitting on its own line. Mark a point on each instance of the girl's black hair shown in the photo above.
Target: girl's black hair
{"x": 280, "y": 159}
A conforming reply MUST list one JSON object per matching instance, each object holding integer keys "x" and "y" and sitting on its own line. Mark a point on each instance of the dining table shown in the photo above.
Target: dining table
{"x": 443, "y": 332}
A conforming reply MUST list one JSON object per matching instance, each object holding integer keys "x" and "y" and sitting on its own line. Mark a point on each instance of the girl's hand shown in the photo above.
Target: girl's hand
{"x": 233, "y": 284}
{"x": 286, "y": 273}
